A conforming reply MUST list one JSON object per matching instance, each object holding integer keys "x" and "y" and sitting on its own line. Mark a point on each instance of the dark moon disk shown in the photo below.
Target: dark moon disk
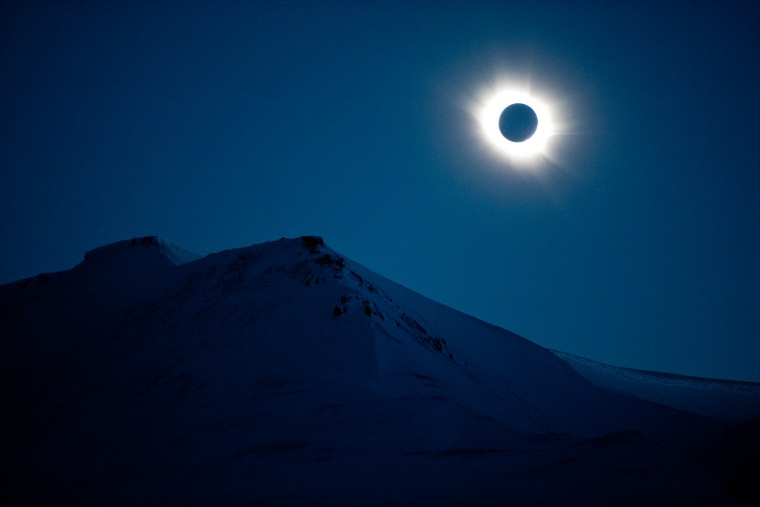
{"x": 518, "y": 122}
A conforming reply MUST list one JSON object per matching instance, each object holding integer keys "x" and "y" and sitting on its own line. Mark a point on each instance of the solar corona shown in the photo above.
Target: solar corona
{"x": 516, "y": 124}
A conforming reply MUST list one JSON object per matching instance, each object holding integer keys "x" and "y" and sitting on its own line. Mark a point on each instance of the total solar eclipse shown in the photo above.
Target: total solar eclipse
{"x": 518, "y": 122}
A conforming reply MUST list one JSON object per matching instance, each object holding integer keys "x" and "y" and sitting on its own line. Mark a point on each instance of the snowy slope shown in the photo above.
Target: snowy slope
{"x": 285, "y": 373}
{"x": 726, "y": 400}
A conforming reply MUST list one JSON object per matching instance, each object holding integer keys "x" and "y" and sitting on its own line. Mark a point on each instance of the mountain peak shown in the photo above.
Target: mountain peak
{"x": 146, "y": 250}
{"x": 312, "y": 243}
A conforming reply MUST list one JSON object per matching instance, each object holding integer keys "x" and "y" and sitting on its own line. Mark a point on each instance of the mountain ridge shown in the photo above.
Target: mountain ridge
{"x": 730, "y": 400}
{"x": 123, "y": 249}
{"x": 284, "y": 371}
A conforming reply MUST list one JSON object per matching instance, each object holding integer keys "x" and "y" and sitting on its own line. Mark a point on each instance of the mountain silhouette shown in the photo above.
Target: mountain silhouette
{"x": 286, "y": 374}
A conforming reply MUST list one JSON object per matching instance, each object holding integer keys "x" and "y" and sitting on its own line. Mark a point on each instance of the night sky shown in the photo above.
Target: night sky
{"x": 635, "y": 240}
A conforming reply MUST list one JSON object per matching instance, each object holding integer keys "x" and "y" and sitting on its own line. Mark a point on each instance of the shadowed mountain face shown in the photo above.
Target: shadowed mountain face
{"x": 285, "y": 373}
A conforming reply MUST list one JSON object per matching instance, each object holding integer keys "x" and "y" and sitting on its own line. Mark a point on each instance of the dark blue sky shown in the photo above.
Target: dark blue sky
{"x": 223, "y": 124}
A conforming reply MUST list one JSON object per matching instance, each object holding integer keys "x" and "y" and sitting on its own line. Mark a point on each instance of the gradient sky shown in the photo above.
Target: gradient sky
{"x": 222, "y": 124}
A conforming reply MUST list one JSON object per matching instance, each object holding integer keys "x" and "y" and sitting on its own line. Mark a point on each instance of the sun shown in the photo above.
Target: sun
{"x": 489, "y": 105}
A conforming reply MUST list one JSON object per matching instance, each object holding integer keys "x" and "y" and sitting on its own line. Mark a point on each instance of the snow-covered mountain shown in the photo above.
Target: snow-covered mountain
{"x": 285, "y": 373}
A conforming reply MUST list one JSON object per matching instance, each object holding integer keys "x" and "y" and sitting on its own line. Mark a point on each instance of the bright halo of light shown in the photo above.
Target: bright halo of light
{"x": 489, "y": 107}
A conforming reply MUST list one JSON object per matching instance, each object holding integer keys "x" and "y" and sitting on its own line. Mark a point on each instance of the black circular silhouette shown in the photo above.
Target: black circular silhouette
{"x": 518, "y": 122}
